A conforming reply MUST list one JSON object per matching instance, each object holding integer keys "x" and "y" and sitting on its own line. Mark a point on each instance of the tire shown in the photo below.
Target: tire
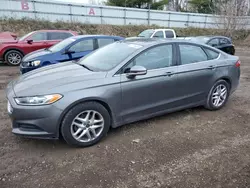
{"x": 212, "y": 97}
{"x": 71, "y": 124}
{"x": 13, "y": 54}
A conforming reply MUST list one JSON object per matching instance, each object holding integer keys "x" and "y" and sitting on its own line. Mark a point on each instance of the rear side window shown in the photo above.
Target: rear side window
{"x": 82, "y": 46}
{"x": 169, "y": 34}
{"x": 58, "y": 35}
{"x": 104, "y": 42}
{"x": 39, "y": 36}
{"x": 224, "y": 41}
{"x": 214, "y": 42}
{"x": 211, "y": 54}
{"x": 158, "y": 34}
{"x": 192, "y": 54}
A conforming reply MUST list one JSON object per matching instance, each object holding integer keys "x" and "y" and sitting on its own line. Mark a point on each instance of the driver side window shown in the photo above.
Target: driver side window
{"x": 158, "y": 34}
{"x": 39, "y": 36}
{"x": 82, "y": 46}
{"x": 154, "y": 58}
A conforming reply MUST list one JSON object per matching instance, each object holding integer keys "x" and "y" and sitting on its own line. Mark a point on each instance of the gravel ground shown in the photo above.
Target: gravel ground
{"x": 191, "y": 148}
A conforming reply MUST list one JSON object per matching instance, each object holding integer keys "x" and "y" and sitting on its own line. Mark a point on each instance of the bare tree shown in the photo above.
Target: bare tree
{"x": 231, "y": 15}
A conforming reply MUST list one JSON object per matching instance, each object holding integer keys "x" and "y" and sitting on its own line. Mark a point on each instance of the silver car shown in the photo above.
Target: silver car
{"x": 123, "y": 82}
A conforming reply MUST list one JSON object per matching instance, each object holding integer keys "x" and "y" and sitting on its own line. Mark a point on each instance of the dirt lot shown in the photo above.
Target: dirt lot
{"x": 191, "y": 148}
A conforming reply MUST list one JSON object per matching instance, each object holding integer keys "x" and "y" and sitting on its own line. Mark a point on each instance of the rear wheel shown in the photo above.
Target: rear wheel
{"x": 218, "y": 95}
{"x": 13, "y": 57}
{"x": 85, "y": 124}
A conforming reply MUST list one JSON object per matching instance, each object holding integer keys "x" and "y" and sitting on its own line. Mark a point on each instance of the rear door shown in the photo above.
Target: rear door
{"x": 196, "y": 70}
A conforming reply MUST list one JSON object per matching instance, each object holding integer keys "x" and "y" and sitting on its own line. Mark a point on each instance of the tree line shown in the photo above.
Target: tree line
{"x": 199, "y": 6}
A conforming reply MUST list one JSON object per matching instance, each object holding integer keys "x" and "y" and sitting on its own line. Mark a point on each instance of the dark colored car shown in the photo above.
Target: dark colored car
{"x": 12, "y": 51}
{"x": 123, "y": 82}
{"x": 220, "y": 42}
{"x": 72, "y": 48}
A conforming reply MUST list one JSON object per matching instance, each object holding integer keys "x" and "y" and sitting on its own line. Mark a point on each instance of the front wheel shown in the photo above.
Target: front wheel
{"x": 85, "y": 124}
{"x": 218, "y": 95}
{"x": 13, "y": 57}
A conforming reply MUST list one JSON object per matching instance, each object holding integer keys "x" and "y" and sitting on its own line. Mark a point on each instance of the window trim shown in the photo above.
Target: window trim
{"x": 93, "y": 40}
{"x": 202, "y": 47}
{"x": 174, "y": 59}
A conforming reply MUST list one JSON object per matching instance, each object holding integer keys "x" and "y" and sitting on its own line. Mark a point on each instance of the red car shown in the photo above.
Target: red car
{"x": 12, "y": 51}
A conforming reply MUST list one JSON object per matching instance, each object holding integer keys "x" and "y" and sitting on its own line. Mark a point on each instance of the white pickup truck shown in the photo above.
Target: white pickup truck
{"x": 158, "y": 33}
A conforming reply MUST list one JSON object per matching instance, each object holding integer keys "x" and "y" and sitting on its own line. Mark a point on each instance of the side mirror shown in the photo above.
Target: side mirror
{"x": 30, "y": 41}
{"x": 136, "y": 71}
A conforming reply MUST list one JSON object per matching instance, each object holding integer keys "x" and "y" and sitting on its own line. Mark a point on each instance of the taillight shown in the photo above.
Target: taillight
{"x": 237, "y": 64}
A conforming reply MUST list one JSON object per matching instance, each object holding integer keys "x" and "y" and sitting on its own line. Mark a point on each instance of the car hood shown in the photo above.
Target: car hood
{"x": 36, "y": 54}
{"x": 56, "y": 78}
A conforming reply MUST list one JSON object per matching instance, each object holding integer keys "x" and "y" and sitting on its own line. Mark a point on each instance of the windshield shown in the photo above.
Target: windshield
{"x": 61, "y": 45}
{"x": 109, "y": 56}
{"x": 25, "y": 36}
{"x": 147, "y": 33}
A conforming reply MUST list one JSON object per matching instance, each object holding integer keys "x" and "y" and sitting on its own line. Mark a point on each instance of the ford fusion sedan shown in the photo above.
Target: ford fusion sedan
{"x": 69, "y": 49}
{"x": 123, "y": 82}
{"x": 12, "y": 50}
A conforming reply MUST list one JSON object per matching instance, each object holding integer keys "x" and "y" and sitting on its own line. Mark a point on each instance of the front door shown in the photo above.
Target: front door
{"x": 39, "y": 41}
{"x": 146, "y": 95}
{"x": 78, "y": 50}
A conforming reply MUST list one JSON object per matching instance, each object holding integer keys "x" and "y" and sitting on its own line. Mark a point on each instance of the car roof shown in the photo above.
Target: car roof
{"x": 95, "y": 36}
{"x": 54, "y": 30}
{"x": 210, "y": 36}
{"x": 146, "y": 42}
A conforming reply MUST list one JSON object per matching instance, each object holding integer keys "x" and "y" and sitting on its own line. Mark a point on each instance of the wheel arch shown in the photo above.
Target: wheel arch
{"x": 100, "y": 101}
{"x": 228, "y": 80}
{"x": 9, "y": 49}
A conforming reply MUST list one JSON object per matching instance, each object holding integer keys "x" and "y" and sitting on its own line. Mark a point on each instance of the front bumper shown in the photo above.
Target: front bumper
{"x": 34, "y": 121}
{"x": 24, "y": 70}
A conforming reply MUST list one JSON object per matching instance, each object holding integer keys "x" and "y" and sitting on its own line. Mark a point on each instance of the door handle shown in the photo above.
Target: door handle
{"x": 211, "y": 67}
{"x": 168, "y": 74}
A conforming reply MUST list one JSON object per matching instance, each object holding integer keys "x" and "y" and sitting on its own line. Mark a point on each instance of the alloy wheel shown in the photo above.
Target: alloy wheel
{"x": 14, "y": 58}
{"x": 87, "y": 126}
{"x": 219, "y": 95}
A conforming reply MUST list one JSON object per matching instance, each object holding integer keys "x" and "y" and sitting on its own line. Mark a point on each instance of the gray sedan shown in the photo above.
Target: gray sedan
{"x": 123, "y": 82}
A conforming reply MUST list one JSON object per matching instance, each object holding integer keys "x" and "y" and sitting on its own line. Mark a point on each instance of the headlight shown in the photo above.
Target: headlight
{"x": 38, "y": 100}
{"x": 34, "y": 63}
